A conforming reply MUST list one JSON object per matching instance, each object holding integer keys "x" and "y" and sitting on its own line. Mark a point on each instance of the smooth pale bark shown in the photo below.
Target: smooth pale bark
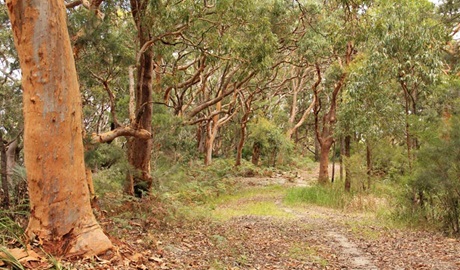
{"x": 61, "y": 217}
{"x": 298, "y": 85}
{"x": 139, "y": 149}
{"x": 212, "y": 129}
{"x": 211, "y": 134}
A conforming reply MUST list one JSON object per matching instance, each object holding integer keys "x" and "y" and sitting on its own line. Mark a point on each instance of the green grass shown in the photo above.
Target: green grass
{"x": 255, "y": 202}
{"x": 267, "y": 192}
{"x": 326, "y": 196}
{"x": 9, "y": 259}
{"x": 258, "y": 208}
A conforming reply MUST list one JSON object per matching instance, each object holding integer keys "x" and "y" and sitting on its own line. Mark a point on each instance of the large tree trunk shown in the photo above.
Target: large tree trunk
{"x": 61, "y": 216}
{"x": 139, "y": 149}
{"x": 325, "y": 135}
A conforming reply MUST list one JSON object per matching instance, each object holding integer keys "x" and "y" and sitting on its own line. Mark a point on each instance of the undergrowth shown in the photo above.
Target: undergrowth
{"x": 334, "y": 196}
{"x": 254, "y": 201}
{"x": 327, "y": 196}
{"x": 11, "y": 229}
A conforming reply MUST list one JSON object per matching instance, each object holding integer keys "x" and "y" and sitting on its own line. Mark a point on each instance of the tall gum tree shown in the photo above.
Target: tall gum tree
{"x": 408, "y": 46}
{"x": 139, "y": 150}
{"x": 330, "y": 43}
{"x": 61, "y": 216}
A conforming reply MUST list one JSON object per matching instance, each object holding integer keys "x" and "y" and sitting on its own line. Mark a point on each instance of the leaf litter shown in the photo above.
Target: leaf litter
{"x": 311, "y": 238}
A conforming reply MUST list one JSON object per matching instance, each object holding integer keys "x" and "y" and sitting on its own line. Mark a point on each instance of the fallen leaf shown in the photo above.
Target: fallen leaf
{"x": 156, "y": 259}
{"x": 18, "y": 253}
{"x": 136, "y": 257}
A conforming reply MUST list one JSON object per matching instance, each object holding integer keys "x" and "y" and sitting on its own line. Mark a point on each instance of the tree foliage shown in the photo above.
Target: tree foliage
{"x": 436, "y": 178}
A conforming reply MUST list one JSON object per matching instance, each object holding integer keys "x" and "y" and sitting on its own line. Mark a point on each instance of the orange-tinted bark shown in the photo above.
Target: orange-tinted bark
{"x": 61, "y": 215}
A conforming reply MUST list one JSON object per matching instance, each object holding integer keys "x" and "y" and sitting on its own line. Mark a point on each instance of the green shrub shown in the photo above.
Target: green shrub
{"x": 192, "y": 182}
{"x": 14, "y": 219}
{"x": 389, "y": 161}
{"x": 104, "y": 156}
{"x": 357, "y": 169}
{"x": 275, "y": 146}
{"x": 434, "y": 189}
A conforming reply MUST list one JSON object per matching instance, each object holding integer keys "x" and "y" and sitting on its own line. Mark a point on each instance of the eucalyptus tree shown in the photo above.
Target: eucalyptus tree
{"x": 450, "y": 12}
{"x": 61, "y": 216}
{"x": 368, "y": 115}
{"x": 330, "y": 44}
{"x": 249, "y": 102}
{"x": 156, "y": 23}
{"x": 408, "y": 41}
{"x": 217, "y": 58}
{"x": 103, "y": 56}
{"x": 292, "y": 71}
{"x": 397, "y": 67}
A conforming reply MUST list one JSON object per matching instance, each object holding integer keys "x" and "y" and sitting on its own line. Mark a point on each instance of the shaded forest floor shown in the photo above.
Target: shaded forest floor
{"x": 256, "y": 229}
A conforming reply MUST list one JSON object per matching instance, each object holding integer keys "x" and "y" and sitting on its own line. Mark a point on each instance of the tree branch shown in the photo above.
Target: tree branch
{"x": 77, "y": 3}
{"x": 105, "y": 83}
{"x": 118, "y": 132}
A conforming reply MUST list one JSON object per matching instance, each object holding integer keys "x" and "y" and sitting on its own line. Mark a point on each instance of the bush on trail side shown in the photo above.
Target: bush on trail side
{"x": 434, "y": 190}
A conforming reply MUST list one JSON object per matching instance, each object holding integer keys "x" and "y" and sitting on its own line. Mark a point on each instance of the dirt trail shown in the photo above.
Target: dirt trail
{"x": 257, "y": 231}
{"x": 299, "y": 178}
{"x": 349, "y": 251}
{"x": 305, "y": 238}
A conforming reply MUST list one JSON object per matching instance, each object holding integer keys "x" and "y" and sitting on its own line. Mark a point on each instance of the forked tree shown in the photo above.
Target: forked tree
{"x": 61, "y": 217}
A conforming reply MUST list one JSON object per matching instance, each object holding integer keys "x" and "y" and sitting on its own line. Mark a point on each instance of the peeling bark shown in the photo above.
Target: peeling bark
{"x": 61, "y": 216}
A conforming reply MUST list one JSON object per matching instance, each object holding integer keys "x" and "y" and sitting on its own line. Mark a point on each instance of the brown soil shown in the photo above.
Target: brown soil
{"x": 311, "y": 238}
